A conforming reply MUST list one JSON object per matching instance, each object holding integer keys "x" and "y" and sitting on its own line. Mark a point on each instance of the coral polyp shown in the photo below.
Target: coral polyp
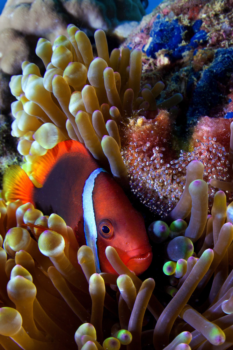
{"x": 157, "y": 166}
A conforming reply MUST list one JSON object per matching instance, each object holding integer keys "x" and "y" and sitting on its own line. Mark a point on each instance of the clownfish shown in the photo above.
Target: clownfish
{"x": 70, "y": 183}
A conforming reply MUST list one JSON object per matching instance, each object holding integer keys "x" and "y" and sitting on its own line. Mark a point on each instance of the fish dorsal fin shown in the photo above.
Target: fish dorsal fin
{"x": 17, "y": 185}
{"x": 41, "y": 167}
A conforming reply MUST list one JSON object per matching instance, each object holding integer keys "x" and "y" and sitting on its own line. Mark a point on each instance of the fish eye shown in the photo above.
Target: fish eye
{"x": 106, "y": 229}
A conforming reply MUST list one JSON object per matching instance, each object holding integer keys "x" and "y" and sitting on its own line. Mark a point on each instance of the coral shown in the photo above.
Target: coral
{"x": 21, "y": 25}
{"x": 202, "y": 71}
{"x": 157, "y": 166}
{"x": 213, "y": 22}
{"x": 208, "y": 91}
{"x": 14, "y": 49}
{"x": 201, "y": 58}
{"x": 164, "y": 35}
{"x": 169, "y": 36}
{"x": 123, "y": 30}
{"x": 51, "y": 17}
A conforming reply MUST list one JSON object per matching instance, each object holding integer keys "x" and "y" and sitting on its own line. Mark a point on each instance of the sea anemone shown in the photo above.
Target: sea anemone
{"x": 101, "y": 103}
{"x": 52, "y": 297}
{"x": 81, "y": 98}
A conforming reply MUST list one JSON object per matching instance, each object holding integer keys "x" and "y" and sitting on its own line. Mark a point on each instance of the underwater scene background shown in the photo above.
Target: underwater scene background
{"x": 116, "y": 192}
{"x": 151, "y": 5}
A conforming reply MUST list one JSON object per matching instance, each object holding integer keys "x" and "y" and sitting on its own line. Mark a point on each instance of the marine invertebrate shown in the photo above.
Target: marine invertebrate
{"x": 180, "y": 248}
{"x": 157, "y": 166}
{"x": 72, "y": 64}
{"x": 28, "y": 287}
{"x": 60, "y": 250}
{"x": 168, "y": 36}
{"x": 115, "y": 99}
{"x": 158, "y": 231}
{"x": 108, "y": 102}
{"x": 62, "y": 105}
{"x": 41, "y": 109}
{"x": 72, "y": 283}
{"x": 51, "y": 21}
{"x": 165, "y": 34}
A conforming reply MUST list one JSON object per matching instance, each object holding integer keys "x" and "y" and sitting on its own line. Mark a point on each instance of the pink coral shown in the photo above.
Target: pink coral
{"x": 157, "y": 166}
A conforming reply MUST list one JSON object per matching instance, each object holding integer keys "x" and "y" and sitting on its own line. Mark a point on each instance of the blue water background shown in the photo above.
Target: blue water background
{"x": 152, "y": 5}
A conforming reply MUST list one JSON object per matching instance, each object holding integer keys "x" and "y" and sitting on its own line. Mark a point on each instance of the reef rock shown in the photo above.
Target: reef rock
{"x": 22, "y": 23}
{"x": 51, "y": 17}
{"x": 188, "y": 46}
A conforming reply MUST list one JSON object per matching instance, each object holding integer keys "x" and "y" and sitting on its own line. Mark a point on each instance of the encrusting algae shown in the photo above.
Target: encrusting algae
{"x": 50, "y": 292}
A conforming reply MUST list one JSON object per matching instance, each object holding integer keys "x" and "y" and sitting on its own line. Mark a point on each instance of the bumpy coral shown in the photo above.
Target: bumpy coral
{"x": 14, "y": 49}
{"x": 21, "y": 25}
{"x": 157, "y": 166}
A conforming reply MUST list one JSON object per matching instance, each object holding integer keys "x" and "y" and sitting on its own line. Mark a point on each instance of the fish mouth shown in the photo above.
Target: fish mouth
{"x": 141, "y": 256}
{"x": 140, "y": 262}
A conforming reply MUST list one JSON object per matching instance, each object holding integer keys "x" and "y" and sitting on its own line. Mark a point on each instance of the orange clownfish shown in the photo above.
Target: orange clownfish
{"x": 89, "y": 200}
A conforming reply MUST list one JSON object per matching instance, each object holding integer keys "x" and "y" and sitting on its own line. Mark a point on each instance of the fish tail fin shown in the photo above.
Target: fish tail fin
{"x": 17, "y": 185}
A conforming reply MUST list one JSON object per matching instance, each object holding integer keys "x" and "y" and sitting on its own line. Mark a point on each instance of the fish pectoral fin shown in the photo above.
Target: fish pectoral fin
{"x": 17, "y": 185}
